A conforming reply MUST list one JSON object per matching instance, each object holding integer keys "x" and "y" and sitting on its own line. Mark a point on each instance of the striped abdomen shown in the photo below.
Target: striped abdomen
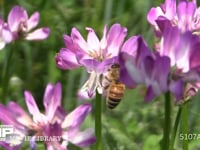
{"x": 115, "y": 94}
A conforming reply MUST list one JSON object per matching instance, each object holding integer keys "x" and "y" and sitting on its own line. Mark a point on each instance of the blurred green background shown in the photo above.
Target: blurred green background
{"x": 134, "y": 124}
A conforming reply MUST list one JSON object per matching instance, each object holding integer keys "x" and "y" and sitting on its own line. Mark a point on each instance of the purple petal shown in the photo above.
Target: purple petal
{"x": 125, "y": 77}
{"x": 20, "y": 115}
{"x": 9, "y": 118}
{"x": 70, "y": 45}
{"x": 134, "y": 64}
{"x": 83, "y": 94}
{"x": 52, "y": 129}
{"x": 169, "y": 8}
{"x": 32, "y": 106}
{"x": 153, "y": 14}
{"x": 7, "y": 146}
{"x": 161, "y": 72}
{"x": 77, "y": 116}
{"x": 48, "y": 95}
{"x": 130, "y": 46}
{"x": 190, "y": 90}
{"x": 6, "y": 35}
{"x": 185, "y": 14}
{"x": 156, "y": 72}
{"x": 66, "y": 59}
{"x": 195, "y": 55}
{"x": 52, "y": 99}
{"x": 33, "y": 21}
{"x": 148, "y": 66}
{"x": 39, "y": 34}
{"x": 49, "y": 146}
{"x": 68, "y": 41}
{"x": 182, "y": 57}
{"x": 83, "y": 139}
{"x": 192, "y": 76}
{"x": 93, "y": 40}
{"x": 56, "y": 145}
{"x": 163, "y": 24}
{"x": 103, "y": 41}
{"x": 197, "y": 14}
{"x": 16, "y": 16}
{"x": 78, "y": 39}
{"x": 60, "y": 113}
{"x": 150, "y": 94}
{"x": 90, "y": 64}
{"x": 115, "y": 38}
{"x": 134, "y": 72}
{"x": 99, "y": 67}
{"x": 18, "y": 111}
{"x": 105, "y": 64}
{"x": 142, "y": 51}
{"x": 88, "y": 90}
{"x": 171, "y": 39}
{"x": 177, "y": 89}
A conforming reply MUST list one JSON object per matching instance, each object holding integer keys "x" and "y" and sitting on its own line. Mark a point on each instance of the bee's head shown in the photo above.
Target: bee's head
{"x": 115, "y": 66}
{"x": 114, "y": 71}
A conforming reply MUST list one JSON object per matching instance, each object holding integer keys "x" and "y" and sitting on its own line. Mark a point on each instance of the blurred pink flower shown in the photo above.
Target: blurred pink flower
{"x": 141, "y": 66}
{"x": 185, "y": 15}
{"x": 183, "y": 49}
{"x": 53, "y": 123}
{"x": 21, "y": 25}
{"x": 5, "y": 34}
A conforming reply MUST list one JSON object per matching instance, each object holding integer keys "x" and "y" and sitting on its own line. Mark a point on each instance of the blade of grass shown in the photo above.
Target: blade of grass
{"x": 167, "y": 122}
{"x": 98, "y": 122}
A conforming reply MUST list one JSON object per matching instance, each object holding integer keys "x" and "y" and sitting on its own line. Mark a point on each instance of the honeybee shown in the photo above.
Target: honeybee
{"x": 114, "y": 89}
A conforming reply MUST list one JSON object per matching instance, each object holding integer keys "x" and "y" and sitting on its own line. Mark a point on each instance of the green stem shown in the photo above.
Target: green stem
{"x": 98, "y": 110}
{"x": 176, "y": 123}
{"x": 184, "y": 123}
{"x": 167, "y": 125}
{"x": 6, "y": 74}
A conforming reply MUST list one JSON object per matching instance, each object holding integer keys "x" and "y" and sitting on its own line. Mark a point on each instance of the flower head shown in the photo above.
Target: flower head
{"x": 183, "y": 50}
{"x": 53, "y": 124}
{"x": 185, "y": 15}
{"x": 21, "y": 25}
{"x": 94, "y": 54}
{"x": 141, "y": 66}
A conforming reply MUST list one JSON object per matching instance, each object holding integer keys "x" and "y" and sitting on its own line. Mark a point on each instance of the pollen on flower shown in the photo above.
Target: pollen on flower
{"x": 95, "y": 55}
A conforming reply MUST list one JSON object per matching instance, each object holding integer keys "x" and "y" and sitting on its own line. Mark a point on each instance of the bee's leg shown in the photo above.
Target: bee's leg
{"x": 108, "y": 79}
{"x": 106, "y": 87}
